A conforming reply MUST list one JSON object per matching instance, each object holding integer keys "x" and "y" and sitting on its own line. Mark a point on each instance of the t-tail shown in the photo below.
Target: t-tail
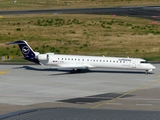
{"x": 26, "y": 50}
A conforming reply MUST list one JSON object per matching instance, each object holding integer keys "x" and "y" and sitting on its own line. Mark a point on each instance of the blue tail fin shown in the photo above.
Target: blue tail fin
{"x": 26, "y": 50}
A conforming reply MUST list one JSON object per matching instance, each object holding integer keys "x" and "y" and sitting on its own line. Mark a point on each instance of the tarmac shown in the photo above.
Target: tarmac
{"x": 150, "y": 12}
{"x": 32, "y": 86}
{"x": 28, "y": 86}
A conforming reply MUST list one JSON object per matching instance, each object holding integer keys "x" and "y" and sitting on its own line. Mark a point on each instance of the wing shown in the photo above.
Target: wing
{"x": 67, "y": 66}
{"x": 72, "y": 66}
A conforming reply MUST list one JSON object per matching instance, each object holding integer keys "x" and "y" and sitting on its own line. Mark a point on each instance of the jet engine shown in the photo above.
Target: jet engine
{"x": 43, "y": 57}
{"x": 36, "y": 54}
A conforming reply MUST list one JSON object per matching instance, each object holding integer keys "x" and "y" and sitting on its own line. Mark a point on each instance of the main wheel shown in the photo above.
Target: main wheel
{"x": 78, "y": 70}
{"x": 72, "y": 71}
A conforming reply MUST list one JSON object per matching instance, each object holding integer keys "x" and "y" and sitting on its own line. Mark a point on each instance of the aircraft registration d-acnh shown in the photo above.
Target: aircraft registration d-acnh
{"x": 77, "y": 62}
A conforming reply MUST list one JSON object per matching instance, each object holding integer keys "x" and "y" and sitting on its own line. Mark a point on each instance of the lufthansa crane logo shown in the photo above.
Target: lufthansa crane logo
{"x": 25, "y": 50}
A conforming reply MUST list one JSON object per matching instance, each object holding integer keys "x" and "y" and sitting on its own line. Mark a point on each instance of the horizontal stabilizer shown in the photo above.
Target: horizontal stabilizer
{"x": 17, "y": 42}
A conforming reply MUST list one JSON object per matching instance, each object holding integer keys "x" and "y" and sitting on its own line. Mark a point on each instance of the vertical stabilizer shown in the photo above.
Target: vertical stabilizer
{"x": 26, "y": 50}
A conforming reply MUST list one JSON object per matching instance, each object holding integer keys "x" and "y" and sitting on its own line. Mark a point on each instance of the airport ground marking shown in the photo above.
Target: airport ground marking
{"x": 4, "y": 72}
{"x": 127, "y": 93}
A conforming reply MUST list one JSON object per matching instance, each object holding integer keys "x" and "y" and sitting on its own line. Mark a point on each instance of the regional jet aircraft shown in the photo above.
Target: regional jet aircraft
{"x": 77, "y": 62}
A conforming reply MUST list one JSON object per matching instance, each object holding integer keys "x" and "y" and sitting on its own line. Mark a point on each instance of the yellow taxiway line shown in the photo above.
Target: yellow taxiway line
{"x": 4, "y": 72}
{"x": 129, "y": 92}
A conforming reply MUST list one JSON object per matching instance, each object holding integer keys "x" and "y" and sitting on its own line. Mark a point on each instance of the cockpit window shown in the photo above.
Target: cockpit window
{"x": 143, "y": 62}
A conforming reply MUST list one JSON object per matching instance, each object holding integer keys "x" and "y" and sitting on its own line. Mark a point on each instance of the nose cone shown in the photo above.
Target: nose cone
{"x": 151, "y": 67}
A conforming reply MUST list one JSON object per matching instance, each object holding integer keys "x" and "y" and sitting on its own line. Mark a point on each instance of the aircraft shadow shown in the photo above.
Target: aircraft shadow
{"x": 65, "y": 72}
{"x": 94, "y": 98}
{"x": 35, "y": 69}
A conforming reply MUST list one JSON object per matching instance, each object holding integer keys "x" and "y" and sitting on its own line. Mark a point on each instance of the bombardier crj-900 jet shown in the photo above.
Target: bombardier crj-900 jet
{"x": 77, "y": 62}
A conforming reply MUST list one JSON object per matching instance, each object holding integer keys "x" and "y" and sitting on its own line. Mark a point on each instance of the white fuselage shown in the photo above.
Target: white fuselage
{"x": 76, "y": 61}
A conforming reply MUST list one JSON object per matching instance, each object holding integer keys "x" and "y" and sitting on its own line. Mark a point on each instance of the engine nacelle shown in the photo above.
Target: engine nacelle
{"x": 36, "y": 54}
{"x": 43, "y": 57}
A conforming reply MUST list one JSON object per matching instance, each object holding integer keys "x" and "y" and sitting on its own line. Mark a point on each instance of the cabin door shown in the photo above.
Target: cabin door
{"x": 133, "y": 64}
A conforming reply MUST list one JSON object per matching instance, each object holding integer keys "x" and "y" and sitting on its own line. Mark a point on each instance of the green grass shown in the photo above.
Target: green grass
{"x": 66, "y": 34}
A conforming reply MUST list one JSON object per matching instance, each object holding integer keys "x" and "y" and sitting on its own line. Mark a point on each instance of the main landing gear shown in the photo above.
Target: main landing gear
{"x": 146, "y": 72}
{"x": 75, "y": 71}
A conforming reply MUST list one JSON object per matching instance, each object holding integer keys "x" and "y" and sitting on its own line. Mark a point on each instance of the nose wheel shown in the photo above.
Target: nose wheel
{"x": 146, "y": 72}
